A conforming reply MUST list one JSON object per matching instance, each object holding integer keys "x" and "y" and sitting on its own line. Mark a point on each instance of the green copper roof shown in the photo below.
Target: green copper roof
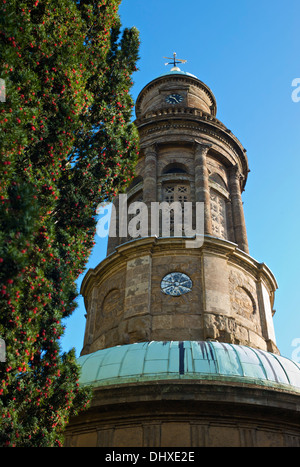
{"x": 177, "y": 72}
{"x": 189, "y": 360}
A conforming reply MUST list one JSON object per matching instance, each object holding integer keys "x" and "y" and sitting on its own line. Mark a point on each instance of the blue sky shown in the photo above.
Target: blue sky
{"x": 247, "y": 52}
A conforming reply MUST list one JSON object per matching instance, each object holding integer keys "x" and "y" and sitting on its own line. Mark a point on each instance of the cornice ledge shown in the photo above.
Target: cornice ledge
{"x": 262, "y": 271}
{"x": 148, "y": 245}
{"x": 265, "y": 272}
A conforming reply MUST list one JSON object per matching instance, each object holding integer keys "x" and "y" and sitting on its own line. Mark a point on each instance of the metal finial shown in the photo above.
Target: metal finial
{"x": 174, "y": 62}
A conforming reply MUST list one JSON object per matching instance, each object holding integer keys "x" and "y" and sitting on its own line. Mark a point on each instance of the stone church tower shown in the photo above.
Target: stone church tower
{"x": 179, "y": 342}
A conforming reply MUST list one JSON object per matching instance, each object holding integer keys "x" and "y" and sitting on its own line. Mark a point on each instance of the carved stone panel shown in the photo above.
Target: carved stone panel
{"x": 218, "y": 215}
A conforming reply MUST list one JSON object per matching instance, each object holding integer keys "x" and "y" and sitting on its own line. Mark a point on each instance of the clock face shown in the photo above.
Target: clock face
{"x": 174, "y": 99}
{"x": 176, "y": 284}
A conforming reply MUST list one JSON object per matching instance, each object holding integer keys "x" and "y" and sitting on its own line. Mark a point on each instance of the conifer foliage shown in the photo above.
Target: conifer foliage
{"x": 66, "y": 144}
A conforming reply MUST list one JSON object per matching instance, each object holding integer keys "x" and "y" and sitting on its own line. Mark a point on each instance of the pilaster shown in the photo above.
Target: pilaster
{"x": 202, "y": 193}
{"x": 237, "y": 209}
{"x": 150, "y": 174}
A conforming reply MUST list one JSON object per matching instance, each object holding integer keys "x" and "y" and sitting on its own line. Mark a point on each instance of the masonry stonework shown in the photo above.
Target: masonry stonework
{"x": 225, "y": 302}
{"x": 187, "y": 155}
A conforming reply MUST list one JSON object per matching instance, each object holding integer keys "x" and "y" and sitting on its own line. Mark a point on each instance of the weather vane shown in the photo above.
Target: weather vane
{"x": 175, "y": 61}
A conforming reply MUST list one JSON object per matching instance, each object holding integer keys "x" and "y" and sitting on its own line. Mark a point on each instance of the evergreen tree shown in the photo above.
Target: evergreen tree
{"x": 66, "y": 144}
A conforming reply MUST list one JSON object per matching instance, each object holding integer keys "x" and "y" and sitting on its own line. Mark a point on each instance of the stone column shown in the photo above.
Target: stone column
{"x": 202, "y": 193}
{"x": 238, "y": 210}
{"x": 150, "y": 175}
{"x": 113, "y": 239}
{"x": 150, "y": 180}
{"x": 230, "y": 227}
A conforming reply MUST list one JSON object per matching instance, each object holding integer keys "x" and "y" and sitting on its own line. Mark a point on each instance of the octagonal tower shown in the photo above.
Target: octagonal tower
{"x": 187, "y": 155}
{"x": 180, "y": 331}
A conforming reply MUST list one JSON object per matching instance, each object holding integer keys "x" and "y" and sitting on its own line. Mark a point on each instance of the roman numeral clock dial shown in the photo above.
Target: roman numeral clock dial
{"x": 174, "y": 99}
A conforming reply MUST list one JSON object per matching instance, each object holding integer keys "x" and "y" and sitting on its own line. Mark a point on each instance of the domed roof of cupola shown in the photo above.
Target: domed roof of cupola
{"x": 177, "y": 71}
{"x": 189, "y": 360}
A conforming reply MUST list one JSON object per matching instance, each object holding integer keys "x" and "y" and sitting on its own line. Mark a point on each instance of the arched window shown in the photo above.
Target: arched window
{"x": 216, "y": 178}
{"x": 218, "y": 205}
{"x": 173, "y": 191}
{"x": 176, "y": 192}
{"x": 218, "y": 214}
{"x": 175, "y": 168}
{"x": 110, "y": 308}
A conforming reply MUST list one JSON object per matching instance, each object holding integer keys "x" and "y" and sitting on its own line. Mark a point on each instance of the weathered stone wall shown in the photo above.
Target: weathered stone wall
{"x": 188, "y": 415}
{"x": 195, "y": 95}
{"x": 185, "y": 433}
{"x": 186, "y": 154}
{"x": 231, "y": 298}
